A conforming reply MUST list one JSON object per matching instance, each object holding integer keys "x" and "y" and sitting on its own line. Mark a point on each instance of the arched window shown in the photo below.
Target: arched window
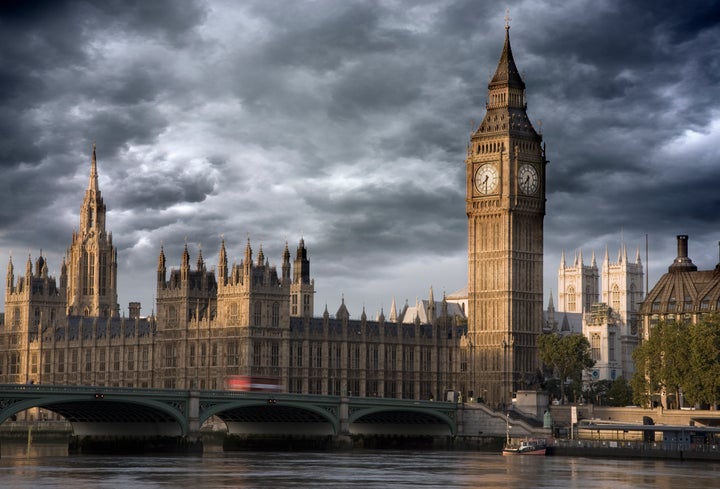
{"x": 16, "y": 318}
{"x": 571, "y": 299}
{"x": 615, "y": 297}
{"x": 233, "y": 313}
{"x": 595, "y": 346}
{"x": 257, "y": 314}
{"x": 172, "y": 316}
{"x": 275, "y": 314}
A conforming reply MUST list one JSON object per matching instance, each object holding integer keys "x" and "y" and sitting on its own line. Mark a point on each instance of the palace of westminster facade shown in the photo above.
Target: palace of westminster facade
{"x": 245, "y": 320}
{"x": 250, "y": 319}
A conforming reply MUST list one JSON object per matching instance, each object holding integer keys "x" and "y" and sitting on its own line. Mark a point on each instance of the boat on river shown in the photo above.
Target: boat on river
{"x": 525, "y": 447}
{"x": 522, "y": 447}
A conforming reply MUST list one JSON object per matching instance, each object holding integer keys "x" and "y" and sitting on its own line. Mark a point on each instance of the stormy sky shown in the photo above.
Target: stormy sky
{"x": 346, "y": 123}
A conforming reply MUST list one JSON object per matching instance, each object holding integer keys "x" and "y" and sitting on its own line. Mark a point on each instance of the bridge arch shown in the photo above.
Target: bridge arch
{"x": 81, "y": 410}
{"x": 407, "y": 419}
{"x": 266, "y": 414}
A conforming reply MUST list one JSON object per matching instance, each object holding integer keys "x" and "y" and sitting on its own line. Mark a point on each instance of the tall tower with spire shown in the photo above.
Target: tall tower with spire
{"x": 92, "y": 258}
{"x": 505, "y": 204}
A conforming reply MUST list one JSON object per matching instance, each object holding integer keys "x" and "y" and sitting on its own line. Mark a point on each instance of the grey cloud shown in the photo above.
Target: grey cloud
{"x": 239, "y": 131}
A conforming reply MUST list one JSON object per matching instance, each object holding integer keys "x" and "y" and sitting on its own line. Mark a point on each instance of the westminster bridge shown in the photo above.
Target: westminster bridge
{"x": 128, "y": 412}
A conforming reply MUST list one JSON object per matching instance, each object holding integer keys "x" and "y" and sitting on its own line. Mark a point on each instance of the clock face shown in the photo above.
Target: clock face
{"x": 486, "y": 179}
{"x": 528, "y": 179}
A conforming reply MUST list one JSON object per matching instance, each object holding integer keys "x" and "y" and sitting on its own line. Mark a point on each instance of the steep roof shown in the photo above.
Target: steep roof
{"x": 507, "y": 72}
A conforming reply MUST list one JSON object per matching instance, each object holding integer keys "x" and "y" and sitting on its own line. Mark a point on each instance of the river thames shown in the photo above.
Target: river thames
{"x": 347, "y": 469}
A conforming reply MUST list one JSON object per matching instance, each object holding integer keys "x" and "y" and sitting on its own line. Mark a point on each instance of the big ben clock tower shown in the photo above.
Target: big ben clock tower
{"x": 505, "y": 207}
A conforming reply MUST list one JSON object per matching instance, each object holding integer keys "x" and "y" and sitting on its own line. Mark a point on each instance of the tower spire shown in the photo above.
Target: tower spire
{"x": 507, "y": 73}
{"x": 93, "y": 170}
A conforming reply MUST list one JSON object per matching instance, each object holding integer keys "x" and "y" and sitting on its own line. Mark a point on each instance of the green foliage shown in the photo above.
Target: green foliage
{"x": 610, "y": 392}
{"x": 702, "y": 385}
{"x": 567, "y": 356}
{"x": 620, "y": 393}
{"x": 679, "y": 358}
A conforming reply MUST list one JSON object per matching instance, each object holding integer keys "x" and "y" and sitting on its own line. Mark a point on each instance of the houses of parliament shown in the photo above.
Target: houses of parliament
{"x": 256, "y": 319}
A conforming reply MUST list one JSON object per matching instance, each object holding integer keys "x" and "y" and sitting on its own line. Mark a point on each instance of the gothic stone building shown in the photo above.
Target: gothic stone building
{"x": 245, "y": 320}
{"x": 505, "y": 205}
{"x": 251, "y": 320}
{"x": 684, "y": 294}
{"x": 607, "y": 315}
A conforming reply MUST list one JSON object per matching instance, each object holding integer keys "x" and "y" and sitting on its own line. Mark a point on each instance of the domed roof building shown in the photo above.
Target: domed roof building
{"x": 683, "y": 294}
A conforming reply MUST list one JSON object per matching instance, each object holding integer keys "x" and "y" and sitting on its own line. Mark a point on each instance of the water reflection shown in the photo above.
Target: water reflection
{"x": 357, "y": 469}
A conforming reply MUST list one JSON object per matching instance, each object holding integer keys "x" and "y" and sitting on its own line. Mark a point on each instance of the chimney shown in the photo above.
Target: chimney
{"x": 134, "y": 310}
{"x": 682, "y": 263}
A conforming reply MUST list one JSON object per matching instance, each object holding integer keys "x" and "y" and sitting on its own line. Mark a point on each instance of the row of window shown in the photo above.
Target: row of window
{"x": 233, "y": 314}
{"x": 76, "y": 361}
{"x": 615, "y": 299}
{"x": 686, "y": 305}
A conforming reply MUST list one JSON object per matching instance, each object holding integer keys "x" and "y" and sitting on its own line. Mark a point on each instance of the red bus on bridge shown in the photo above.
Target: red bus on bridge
{"x": 253, "y": 383}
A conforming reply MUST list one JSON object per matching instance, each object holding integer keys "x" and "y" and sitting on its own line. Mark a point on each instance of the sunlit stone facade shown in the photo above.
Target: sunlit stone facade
{"x": 244, "y": 319}
{"x": 505, "y": 188}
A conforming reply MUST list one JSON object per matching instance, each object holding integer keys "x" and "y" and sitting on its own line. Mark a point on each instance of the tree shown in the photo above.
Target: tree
{"x": 646, "y": 379}
{"x": 662, "y": 362}
{"x": 679, "y": 358}
{"x": 702, "y": 386}
{"x": 567, "y": 356}
{"x": 619, "y": 393}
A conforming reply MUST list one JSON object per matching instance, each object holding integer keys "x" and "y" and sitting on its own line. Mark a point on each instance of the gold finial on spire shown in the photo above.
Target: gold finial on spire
{"x": 507, "y": 18}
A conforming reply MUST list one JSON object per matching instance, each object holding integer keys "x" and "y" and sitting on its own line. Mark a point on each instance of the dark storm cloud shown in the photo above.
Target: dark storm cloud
{"x": 164, "y": 189}
{"x": 330, "y": 37}
{"x": 346, "y": 122}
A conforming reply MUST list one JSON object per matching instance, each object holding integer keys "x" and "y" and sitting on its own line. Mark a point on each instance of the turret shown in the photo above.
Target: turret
{"x": 342, "y": 312}
{"x": 63, "y": 275}
{"x": 185, "y": 267}
{"x": 222, "y": 265}
{"x": 393, "y": 311}
{"x": 431, "y": 308}
{"x": 286, "y": 266}
{"x": 247, "y": 261}
{"x": 302, "y": 265}
{"x": 10, "y": 277}
{"x": 161, "y": 270}
{"x": 200, "y": 261}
